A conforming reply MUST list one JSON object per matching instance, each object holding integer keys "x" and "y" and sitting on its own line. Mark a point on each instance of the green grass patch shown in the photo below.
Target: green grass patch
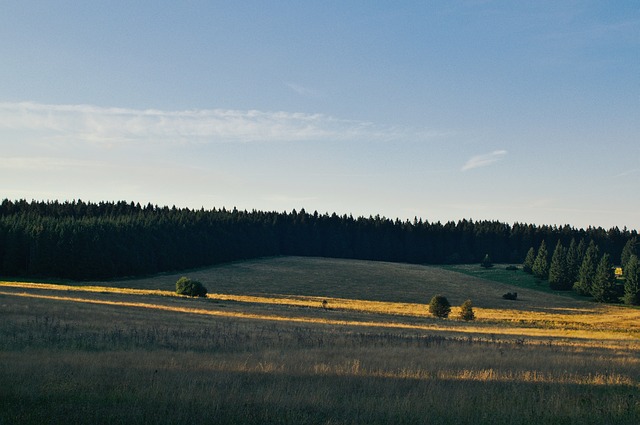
{"x": 517, "y": 278}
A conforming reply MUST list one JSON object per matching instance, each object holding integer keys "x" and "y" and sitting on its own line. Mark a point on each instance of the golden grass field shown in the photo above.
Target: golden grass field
{"x": 262, "y": 348}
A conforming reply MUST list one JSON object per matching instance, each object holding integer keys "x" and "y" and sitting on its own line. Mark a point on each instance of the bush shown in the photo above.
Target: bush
{"x": 486, "y": 262}
{"x": 439, "y": 306}
{"x": 511, "y": 268}
{"x": 192, "y": 288}
{"x": 510, "y": 296}
{"x": 466, "y": 311}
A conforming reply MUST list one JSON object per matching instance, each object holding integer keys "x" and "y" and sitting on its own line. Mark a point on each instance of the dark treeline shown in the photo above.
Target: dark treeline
{"x": 79, "y": 240}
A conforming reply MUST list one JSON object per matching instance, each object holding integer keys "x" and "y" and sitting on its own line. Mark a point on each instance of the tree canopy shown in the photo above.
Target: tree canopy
{"x": 82, "y": 240}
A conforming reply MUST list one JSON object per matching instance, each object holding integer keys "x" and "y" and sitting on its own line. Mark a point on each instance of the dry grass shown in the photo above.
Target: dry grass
{"x": 100, "y": 354}
{"x": 567, "y": 318}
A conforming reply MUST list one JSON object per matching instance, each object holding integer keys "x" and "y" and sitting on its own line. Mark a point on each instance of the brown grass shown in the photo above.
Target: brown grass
{"x": 566, "y": 317}
{"x": 95, "y": 354}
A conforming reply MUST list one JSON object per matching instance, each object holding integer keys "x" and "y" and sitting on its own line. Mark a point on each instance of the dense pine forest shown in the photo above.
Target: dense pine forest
{"x": 82, "y": 240}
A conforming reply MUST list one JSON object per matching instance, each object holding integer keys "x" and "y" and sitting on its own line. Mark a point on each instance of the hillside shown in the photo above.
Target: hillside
{"x": 262, "y": 348}
{"x": 399, "y": 293}
{"x": 356, "y": 279}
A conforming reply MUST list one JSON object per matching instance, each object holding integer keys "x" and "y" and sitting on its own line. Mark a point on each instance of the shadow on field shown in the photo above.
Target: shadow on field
{"x": 103, "y": 394}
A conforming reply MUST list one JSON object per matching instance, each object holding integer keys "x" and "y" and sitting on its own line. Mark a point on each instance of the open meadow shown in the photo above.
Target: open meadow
{"x": 320, "y": 341}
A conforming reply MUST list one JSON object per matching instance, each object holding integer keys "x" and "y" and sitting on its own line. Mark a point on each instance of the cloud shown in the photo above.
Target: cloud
{"x": 47, "y": 163}
{"x": 484, "y": 160}
{"x": 111, "y": 126}
{"x": 304, "y": 91}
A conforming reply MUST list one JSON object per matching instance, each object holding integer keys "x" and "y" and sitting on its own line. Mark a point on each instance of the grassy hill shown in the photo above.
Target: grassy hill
{"x": 355, "y": 279}
{"x": 262, "y": 349}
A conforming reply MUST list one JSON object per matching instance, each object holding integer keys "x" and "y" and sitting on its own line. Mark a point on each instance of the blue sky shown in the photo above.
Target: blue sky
{"x": 514, "y": 111}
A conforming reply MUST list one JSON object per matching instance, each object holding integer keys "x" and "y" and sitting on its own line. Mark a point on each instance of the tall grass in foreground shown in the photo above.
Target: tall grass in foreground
{"x": 101, "y": 364}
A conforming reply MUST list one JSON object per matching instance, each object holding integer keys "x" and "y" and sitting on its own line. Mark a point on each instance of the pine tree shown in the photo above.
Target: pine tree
{"x": 587, "y": 271}
{"x": 527, "y": 266}
{"x": 632, "y": 281}
{"x": 630, "y": 249}
{"x": 541, "y": 265}
{"x": 582, "y": 251}
{"x": 573, "y": 263}
{"x": 486, "y": 262}
{"x": 558, "y": 276}
{"x": 604, "y": 284}
{"x": 466, "y": 311}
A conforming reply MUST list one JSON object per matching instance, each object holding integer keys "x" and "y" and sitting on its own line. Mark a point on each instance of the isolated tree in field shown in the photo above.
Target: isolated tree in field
{"x": 587, "y": 271}
{"x": 558, "y": 275}
{"x": 527, "y": 266}
{"x": 486, "y": 262}
{"x": 603, "y": 289}
{"x": 630, "y": 249}
{"x": 466, "y": 311}
{"x": 632, "y": 281}
{"x": 192, "y": 288}
{"x": 439, "y": 306}
{"x": 541, "y": 265}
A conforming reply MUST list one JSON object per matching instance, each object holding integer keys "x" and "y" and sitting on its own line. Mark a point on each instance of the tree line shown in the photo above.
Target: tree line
{"x": 583, "y": 268}
{"x": 84, "y": 240}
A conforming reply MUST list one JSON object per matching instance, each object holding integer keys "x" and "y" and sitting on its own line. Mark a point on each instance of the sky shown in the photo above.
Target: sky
{"x": 524, "y": 111}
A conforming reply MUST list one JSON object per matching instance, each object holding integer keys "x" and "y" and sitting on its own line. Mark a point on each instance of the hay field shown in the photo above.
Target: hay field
{"x": 262, "y": 349}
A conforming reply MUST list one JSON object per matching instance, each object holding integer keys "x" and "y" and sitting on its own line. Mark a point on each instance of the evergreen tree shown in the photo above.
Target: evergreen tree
{"x": 466, "y": 311}
{"x": 558, "y": 270}
{"x": 527, "y": 266}
{"x": 88, "y": 241}
{"x": 573, "y": 262}
{"x": 603, "y": 289}
{"x": 582, "y": 250}
{"x": 632, "y": 281}
{"x": 541, "y": 264}
{"x": 630, "y": 249}
{"x": 587, "y": 271}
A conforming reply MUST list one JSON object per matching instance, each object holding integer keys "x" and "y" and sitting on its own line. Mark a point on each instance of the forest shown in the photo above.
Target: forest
{"x": 83, "y": 240}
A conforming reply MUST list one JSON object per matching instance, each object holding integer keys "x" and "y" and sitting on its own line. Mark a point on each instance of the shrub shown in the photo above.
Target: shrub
{"x": 511, "y": 268}
{"x": 466, "y": 311}
{"x": 510, "y": 296}
{"x": 439, "y": 306}
{"x": 486, "y": 262}
{"x": 192, "y": 288}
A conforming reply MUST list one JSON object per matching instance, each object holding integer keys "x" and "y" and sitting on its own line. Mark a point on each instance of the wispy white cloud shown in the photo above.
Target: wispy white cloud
{"x": 47, "y": 163}
{"x": 304, "y": 90}
{"x": 100, "y": 125}
{"x": 484, "y": 160}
